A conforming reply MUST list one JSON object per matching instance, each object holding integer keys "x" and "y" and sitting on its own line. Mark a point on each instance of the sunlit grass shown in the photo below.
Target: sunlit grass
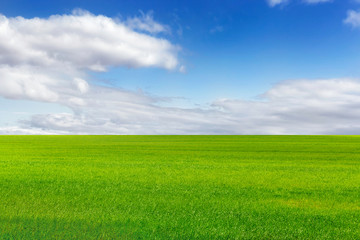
{"x": 180, "y": 187}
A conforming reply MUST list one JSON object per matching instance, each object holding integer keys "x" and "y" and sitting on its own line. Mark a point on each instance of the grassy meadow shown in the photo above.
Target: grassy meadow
{"x": 179, "y": 187}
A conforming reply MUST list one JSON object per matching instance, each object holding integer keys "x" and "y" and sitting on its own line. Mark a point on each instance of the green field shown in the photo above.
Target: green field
{"x": 179, "y": 187}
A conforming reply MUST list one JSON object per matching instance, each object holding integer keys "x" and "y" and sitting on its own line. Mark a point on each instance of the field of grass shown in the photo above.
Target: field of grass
{"x": 179, "y": 187}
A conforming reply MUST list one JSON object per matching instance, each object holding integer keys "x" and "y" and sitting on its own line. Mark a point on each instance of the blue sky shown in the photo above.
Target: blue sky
{"x": 229, "y": 58}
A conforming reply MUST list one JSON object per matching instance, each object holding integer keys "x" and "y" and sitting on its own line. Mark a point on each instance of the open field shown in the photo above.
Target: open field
{"x": 180, "y": 187}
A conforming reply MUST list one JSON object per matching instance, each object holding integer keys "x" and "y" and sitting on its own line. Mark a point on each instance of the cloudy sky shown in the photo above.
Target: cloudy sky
{"x": 180, "y": 67}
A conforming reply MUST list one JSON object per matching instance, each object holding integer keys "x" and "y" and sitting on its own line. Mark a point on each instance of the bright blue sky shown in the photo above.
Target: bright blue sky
{"x": 233, "y": 49}
{"x": 257, "y": 47}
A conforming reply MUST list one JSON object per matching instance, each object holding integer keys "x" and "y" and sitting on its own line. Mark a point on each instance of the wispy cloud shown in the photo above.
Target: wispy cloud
{"x": 353, "y": 18}
{"x": 273, "y": 3}
{"x": 146, "y": 23}
{"x": 316, "y": 1}
{"x": 217, "y": 29}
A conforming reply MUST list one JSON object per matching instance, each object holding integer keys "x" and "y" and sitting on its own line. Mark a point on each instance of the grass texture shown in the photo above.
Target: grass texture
{"x": 179, "y": 187}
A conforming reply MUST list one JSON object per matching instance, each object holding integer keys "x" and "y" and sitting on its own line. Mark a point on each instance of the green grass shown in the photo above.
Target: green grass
{"x": 179, "y": 187}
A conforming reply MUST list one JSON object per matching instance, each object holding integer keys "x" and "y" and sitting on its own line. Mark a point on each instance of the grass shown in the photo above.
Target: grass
{"x": 179, "y": 187}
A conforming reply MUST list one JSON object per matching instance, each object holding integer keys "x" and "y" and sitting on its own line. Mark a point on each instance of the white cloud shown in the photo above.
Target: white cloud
{"x": 273, "y": 3}
{"x": 48, "y": 59}
{"x": 27, "y": 83}
{"x": 291, "y": 107}
{"x": 300, "y": 107}
{"x": 146, "y": 23}
{"x": 14, "y": 130}
{"x": 82, "y": 85}
{"x": 82, "y": 41}
{"x": 353, "y": 18}
{"x": 316, "y": 1}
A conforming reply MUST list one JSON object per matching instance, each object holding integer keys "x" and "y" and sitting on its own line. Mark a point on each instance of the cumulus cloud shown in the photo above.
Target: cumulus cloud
{"x": 40, "y": 84}
{"x": 299, "y": 107}
{"x": 292, "y": 107}
{"x": 353, "y": 18}
{"x": 82, "y": 41}
{"x": 48, "y": 59}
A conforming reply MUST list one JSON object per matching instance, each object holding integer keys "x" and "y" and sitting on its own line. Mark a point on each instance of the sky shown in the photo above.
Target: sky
{"x": 180, "y": 67}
